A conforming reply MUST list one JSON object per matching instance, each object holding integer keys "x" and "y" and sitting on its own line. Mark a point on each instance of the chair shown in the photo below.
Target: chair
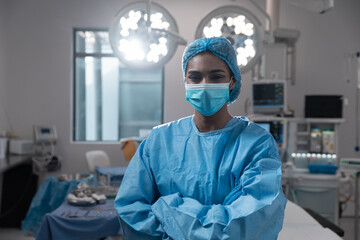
{"x": 97, "y": 158}
{"x": 129, "y": 146}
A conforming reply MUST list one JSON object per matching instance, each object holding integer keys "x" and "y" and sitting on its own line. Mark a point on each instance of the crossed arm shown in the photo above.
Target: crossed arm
{"x": 252, "y": 210}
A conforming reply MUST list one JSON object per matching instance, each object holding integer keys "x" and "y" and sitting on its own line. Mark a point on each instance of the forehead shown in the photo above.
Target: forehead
{"x": 204, "y": 62}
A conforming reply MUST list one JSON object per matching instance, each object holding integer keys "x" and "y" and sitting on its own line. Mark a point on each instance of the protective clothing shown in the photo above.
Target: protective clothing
{"x": 220, "y": 47}
{"x": 207, "y": 98}
{"x": 185, "y": 184}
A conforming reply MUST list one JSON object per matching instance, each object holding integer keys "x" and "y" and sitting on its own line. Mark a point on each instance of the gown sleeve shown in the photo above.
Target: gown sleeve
{"x": 254, "y": 209}
{"x": 133, "y": 202}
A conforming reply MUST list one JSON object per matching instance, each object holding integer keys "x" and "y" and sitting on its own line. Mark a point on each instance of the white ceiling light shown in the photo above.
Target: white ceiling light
{"x": 240, "y": 27}
{"x": 144, "y": 35}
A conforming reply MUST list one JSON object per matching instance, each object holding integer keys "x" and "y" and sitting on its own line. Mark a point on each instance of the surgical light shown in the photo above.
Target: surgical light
{"x": 240, "y": 27}
{"x": 144, "y": 35}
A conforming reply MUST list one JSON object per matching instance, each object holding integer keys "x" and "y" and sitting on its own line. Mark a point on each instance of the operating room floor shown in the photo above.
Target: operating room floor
{"x": 13, "y": 233}
{"x": 16, "y": 234}
{"x": 347, "y": 224}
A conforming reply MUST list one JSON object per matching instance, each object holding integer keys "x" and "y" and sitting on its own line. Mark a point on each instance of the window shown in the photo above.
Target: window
{"x": 110, "y": 100}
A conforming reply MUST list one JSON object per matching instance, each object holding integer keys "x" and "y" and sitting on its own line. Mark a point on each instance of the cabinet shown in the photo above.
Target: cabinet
{"x": 18, "y": 185}
{"x": 299, "y": 144}
{"x": 318, "y": 192}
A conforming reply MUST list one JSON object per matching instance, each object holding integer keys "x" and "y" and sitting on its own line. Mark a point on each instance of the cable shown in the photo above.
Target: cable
{"x": 345, "y": 192}
{"x": 348, "y": 70}
{"x": 357, "y": 148}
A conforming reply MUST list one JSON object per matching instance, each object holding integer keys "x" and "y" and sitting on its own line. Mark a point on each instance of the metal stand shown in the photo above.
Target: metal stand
{"x": 352, "y": 166}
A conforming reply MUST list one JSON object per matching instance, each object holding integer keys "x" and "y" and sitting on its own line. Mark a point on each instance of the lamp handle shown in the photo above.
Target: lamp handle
{"x": 180, "y": 40}
{"x": 267, "y": 17}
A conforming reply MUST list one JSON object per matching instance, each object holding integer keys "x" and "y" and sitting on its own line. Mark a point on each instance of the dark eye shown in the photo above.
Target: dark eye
{"x": 194, "y": 78}
{"x": 216, "y": 77}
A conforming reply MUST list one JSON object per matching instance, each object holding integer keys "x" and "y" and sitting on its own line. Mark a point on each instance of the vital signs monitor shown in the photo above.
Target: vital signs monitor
{"x": 269, "y": 96}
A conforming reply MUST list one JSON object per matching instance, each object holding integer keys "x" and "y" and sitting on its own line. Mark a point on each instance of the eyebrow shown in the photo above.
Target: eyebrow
{"x": 212, "y": 71}
{"x": 217, "y": 70}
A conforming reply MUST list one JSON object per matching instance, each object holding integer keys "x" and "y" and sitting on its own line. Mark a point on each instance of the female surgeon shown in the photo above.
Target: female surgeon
{"x": 206, "y": 176}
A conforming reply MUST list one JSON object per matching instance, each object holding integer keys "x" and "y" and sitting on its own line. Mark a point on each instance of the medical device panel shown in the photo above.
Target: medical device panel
{"x": 269, "y": 96}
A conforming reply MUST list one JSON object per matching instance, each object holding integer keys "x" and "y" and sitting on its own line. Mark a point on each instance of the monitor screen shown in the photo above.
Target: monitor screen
{"x": 268, "y": 97}
{"x": 45, "y": 134}
{"x": 45, "y": 130}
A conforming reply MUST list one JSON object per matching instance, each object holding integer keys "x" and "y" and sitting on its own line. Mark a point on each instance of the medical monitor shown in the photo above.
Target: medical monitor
{"x": 45, "y": 134}
{"x": 269, "y": 96}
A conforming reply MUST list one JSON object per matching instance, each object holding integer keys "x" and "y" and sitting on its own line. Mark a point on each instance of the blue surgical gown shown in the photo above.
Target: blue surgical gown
{"x": 184, "y": 184}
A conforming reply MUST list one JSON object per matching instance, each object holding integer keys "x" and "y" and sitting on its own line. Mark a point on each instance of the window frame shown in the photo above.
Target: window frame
{"x": 73, "y": 127}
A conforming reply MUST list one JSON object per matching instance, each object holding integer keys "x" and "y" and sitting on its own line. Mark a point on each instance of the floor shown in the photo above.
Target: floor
{"x": 16, "y": 234}
{"x": 347, "y": 224}
{"x": 13, "y": 234}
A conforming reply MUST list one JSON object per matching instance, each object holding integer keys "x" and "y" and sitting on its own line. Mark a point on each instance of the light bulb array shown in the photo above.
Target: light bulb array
{"x": 313, "y": 155}
{"x": 139, "y": 43}
{"x": 240, "y": 30}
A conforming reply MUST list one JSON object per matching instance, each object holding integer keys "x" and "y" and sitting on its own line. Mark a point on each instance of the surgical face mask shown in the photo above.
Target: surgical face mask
{"x": 207, "y": 99}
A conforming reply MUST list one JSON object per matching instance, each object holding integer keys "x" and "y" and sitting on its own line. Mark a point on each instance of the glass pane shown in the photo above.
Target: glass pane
{"x": 97, "y": 91}
{"x": 112, "y": 101}
{"x": 79, "y": 108}
{"x": 131, "y": 75}
{"x": 93, "y": 42}
{"x": 91, "y": 97}
{"x": 140, "y": 100}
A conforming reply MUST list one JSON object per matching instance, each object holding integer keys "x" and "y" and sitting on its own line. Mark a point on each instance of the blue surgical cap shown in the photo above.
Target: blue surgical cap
{"x": 220, "y": 47}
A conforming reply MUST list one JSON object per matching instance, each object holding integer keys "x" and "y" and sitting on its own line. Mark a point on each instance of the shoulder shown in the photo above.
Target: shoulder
{"x": 165, "y": 134}
{"x": 256, "y": 138}
{"x": 257, "y": 142}
{"x": 178, "y": 127}
{"x": 252, "y": 129}
{"x": 180, "y": 124}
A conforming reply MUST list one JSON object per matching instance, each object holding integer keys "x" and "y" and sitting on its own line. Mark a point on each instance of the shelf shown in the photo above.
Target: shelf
{"x": 324, "y": 120}
{"x": 299, "y": 120}
{"x": 305, "y": 134}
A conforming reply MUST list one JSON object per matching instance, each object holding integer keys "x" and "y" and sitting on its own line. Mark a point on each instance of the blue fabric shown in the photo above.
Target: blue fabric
{"x": 184, "y": 184}
{"x": 50, "y": 195}
{"x": 80, "y": 223}
{"x": 220, "y": 47}
{"x": 207, "y": 99}
{"x": 116, "y": 173}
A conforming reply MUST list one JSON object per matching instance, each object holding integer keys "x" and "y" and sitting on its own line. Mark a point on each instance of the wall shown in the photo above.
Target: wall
{"x": 39, "y": 63}
{"x": 3, "y": 118}
{"x": 324, "y": 41}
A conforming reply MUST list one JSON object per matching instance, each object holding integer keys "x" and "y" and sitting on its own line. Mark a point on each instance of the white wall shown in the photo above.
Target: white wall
{"x": 3, "y": 121}
{"x": 39, "y": 62}
{"x": 324, "y": 41}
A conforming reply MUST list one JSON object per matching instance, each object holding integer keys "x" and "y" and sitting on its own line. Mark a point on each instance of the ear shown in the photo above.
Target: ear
{"x": 232, "y": 83}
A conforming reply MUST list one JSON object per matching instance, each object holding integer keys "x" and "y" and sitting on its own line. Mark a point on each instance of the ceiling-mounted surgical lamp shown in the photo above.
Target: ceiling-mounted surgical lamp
{"x": 240, "y": 27}
{"x": 144, "y": 35}
{"x": 319, "y": 6}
